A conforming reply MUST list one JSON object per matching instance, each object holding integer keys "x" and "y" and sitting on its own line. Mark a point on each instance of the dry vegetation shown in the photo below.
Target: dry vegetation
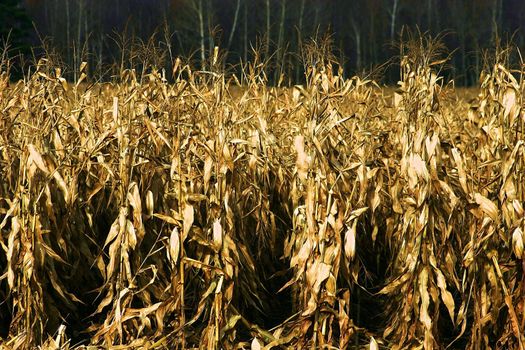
{"x": 153, "y": 215}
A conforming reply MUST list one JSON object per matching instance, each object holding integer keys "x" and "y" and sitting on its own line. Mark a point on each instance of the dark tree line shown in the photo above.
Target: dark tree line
{"x": 15, "y": 23}
{"x": 124, "y": 33}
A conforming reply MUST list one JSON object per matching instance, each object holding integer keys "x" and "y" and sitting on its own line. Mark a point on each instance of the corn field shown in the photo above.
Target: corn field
{"x": 196, "y": 214}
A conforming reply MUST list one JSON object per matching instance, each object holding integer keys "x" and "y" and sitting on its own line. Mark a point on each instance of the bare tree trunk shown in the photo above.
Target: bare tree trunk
{"x": 429, "y": 14}
{"x": 459, "y": 9}
{"x": 496, "y": 10}
{"x": 280, "y": 39}
{"x": 281, "y": 25}
{"x": 357, "y": 37}
{"x": 201, "y": 34}
{"x": 86, "y": 31}
{"x": 494, "y": 25}
{"x": 301, "y": 16}
{"x": 100, "y": 53}
{"x": 210, "y": 37}
{"x": 477, "y": 58}
{"x": 79, "y": 26}
{"x": 267, "y": 43}
{"x": 234, "y": 26}
{"x": 79, "y": 38}
{"x": 316, "y": 20}
{"x": 245, "y": 31}
{"x": 373, "y": 46}
{"x": 299, "y": 39}
{"x": 68, "y": 32}
{"x": 393, "y": 16}
{"x": 500, "y": 13}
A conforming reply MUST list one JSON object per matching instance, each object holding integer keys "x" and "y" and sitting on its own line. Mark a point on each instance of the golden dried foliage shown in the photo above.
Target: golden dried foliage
{"x": 194, "y": 214}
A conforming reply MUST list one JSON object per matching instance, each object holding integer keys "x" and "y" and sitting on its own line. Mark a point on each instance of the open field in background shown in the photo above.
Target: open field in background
{"x": 338, "y": 214}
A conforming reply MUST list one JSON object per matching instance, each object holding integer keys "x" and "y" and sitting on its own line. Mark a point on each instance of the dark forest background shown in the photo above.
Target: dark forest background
{"x": 111, "y": 35}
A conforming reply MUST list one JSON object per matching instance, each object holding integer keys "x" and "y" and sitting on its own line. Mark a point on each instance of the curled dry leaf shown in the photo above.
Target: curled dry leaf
{"x": 12, "y": 249}
{"x": 36, "y": 157}
{"x": 373, "y": 344}
{"x": 517, "y": 242}
{"x": 424, "y": 317}
{"x": 350, "y": 237}
{"x": 509, "y": 101}
{"x": 174, "y": 247}
{"x": 113, "y": 232}
{"x": 255, "y": 345}
{"x": 131, "y": 234}
{"x": 461, "y": 171}
{"x": 149, "y": 203}
{"x": 217, "y": 234}
{"x": 446, "y": 296}
{"x": 316, "y": 274}
{"x": 487, "y": 206}
{"x": 188, "y": 220}
{"x": 302, "y": 161}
